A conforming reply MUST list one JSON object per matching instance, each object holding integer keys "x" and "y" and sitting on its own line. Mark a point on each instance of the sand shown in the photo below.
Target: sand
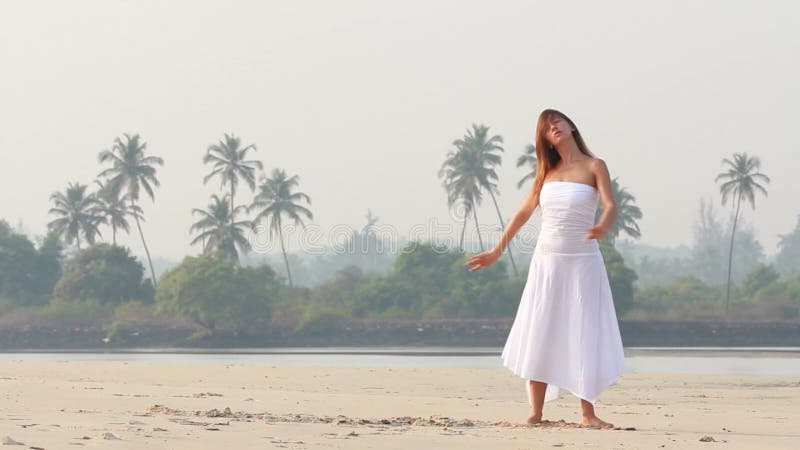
{"x": 117, "y": 405}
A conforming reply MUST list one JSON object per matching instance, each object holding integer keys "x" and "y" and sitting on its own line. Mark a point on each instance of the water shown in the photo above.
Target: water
{"x": 773, "y": 361}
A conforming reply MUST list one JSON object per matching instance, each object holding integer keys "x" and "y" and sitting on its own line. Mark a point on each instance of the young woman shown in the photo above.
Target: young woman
{"x": 565, "y": 334}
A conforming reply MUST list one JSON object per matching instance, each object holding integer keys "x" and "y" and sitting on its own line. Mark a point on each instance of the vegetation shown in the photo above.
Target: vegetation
{"x": 462, "y": 188}
{"x": 106, "y": 273}
{"x": 131, "y": 171}
{"x": 627, "y": 214}
{"x": 28, "y": 272}
{"x": 218, "y": 294}
{"x": 481, "y": 156}
{"x": 620, "y": 277}
{"x": 276, "y": 199}
{"x": 787, "y": 261}
{"x": 740, "y": 181}
{"x": 469, "y": 170}
{"x": 76, "y": 215}
{"x": 227, "y": 158}
{"x": 114, "y": 209}
{"x": 220, "y": 232}
{"x": 528, "y": 158}
{"x": 69, "y": 276}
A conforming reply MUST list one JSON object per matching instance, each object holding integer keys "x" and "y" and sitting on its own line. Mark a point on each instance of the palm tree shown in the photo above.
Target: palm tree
{"x": 740, "y": 181}
{"x": 462, "y": 186}
{"x": 627, "y": 215}
{"x": 484, "y": 157}
{"x": 219, "y": 230}
{"x": 275, "y": 199}
{"x": 369, "y": 240}
{"x": 115, "y": 208}
{"x": 76, "y": 215}
{"x": 528, "y": 158}
{"x": 371, "y": 221}
{"x": 229, "y": 164}
{"x": 130, "y": 172}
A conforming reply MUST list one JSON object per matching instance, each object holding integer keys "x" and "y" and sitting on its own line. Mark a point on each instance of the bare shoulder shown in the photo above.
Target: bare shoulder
{"x": 598, "y": 166}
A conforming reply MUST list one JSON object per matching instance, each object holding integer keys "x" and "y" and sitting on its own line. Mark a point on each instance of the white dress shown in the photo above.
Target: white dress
{"x": 565, "y": 332}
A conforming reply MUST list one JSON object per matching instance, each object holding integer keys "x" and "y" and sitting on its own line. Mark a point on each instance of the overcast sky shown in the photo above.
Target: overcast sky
{"x": 362, "y": 100}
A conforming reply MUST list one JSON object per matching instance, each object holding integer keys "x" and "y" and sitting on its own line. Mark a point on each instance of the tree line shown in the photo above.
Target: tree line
{"x": 424, "y": 280}
{"x": 80, "y": 213}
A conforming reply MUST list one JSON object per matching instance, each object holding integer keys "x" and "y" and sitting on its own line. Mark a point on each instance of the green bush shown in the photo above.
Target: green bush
{"x": 621, "y": 279}
{"x": 106, "y": 273}
{"x": 218, "y": 294}
{"x": 380, "y": 297}
{"x": 780, "y": 298}
{"x": 760, "y": 276}
{"x": 684, "y": 297}
{"x": 7, "y": 305}
{"x": 70, "y": 314}
{"x": 27, "y": 273}
{"x": 319, "y": 319}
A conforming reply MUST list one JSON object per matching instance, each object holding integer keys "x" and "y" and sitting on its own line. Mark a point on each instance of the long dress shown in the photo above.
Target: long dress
{"x": 565, "y": 332}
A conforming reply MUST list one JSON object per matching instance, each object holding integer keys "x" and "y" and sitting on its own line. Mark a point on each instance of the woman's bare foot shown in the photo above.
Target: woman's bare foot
{"x": 595, "y": 421}
{"x": 533, "y": 419}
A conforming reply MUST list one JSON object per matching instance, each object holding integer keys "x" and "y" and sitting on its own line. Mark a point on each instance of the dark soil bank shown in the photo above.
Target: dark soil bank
{"x": 457, "y": 333}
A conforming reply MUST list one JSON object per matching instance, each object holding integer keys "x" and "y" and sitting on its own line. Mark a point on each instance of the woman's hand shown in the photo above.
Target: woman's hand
{"x": 595, "y": 232}
{"x": 482, "y": 260}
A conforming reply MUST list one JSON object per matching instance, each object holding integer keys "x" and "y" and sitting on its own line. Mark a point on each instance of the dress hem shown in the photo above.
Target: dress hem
{"x": 608, "y": 383}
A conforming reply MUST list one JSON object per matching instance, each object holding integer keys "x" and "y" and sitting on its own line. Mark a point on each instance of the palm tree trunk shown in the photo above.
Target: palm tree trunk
{"x": 285, "y": 259}
{"x": 463, "y": 230}
{"x": 144, "y": 244}
{"x": 477, "y": 227}
{"x": 730, "y": 255}
{"x": 113, "y": 235}
{"x": 503, "y": 225}
{"x": 78, "y": 240}
{"x": 231, "y": 203}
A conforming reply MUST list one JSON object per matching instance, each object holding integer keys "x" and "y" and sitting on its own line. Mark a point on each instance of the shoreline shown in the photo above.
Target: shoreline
{"x": 702, "y": 361}
{"x": 381, "y": 350}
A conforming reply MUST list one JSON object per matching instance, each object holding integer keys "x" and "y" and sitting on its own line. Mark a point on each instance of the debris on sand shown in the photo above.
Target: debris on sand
{"x": 216, "y": 413}
{"x": 432, "y": 421}
{"x": 8, "y": 440}
{"x": 110, "y": 437}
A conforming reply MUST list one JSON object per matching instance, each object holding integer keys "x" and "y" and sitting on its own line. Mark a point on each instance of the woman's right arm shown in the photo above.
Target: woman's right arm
{"x": 527, "y": 208}
{"x": 525, "y": 211}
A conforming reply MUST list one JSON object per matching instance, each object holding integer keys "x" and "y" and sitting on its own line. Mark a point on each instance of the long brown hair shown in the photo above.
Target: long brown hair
{"x": 546, "y": 155}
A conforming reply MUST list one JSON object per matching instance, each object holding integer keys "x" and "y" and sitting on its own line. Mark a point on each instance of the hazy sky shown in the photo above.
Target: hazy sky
{"x": 362, "y": 99}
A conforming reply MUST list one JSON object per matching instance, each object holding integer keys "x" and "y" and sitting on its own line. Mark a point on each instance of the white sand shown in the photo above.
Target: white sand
{"x": 155, "y": 406}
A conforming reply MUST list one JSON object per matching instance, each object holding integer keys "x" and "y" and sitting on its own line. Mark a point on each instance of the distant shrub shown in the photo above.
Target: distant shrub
{"x": 218, "y": 294}
{"x": 74, "y": 313}
{"x": 319, "y": 319}
{"x": 684, "y": 298}
{"x": 621, "y": 279}
{"x": 106, "y": 273}
{"x": 759, "y": 277}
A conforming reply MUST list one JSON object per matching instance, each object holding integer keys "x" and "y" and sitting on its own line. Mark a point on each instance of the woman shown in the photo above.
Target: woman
{"x": 565, "y": 334}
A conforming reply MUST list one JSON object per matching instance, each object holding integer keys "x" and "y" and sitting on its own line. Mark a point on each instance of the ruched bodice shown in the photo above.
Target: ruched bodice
{"x": 568, "y": 211}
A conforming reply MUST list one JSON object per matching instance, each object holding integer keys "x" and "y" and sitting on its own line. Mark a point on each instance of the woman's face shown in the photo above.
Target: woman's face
{"x": 558, "y": 130}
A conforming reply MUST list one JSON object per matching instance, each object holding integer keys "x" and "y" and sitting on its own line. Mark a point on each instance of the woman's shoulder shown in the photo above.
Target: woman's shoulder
{"x": 596, "y": 163}
{"x": 597, "y": 166}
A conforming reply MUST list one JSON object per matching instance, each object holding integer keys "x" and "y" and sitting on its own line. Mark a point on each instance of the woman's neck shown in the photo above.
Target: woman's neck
{"x": 569, "y": 152}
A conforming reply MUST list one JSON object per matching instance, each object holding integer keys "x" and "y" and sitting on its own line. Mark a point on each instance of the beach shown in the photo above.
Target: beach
{"x": 132, "y": 405}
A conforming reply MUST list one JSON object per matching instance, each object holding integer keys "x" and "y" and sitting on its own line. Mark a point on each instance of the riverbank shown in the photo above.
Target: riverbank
{"x": 452, "y": 332}
{"x": 164, "y": 406}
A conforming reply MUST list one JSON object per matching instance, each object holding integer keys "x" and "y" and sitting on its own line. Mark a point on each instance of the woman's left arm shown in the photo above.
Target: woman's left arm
{"x": 600, "y": 170}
